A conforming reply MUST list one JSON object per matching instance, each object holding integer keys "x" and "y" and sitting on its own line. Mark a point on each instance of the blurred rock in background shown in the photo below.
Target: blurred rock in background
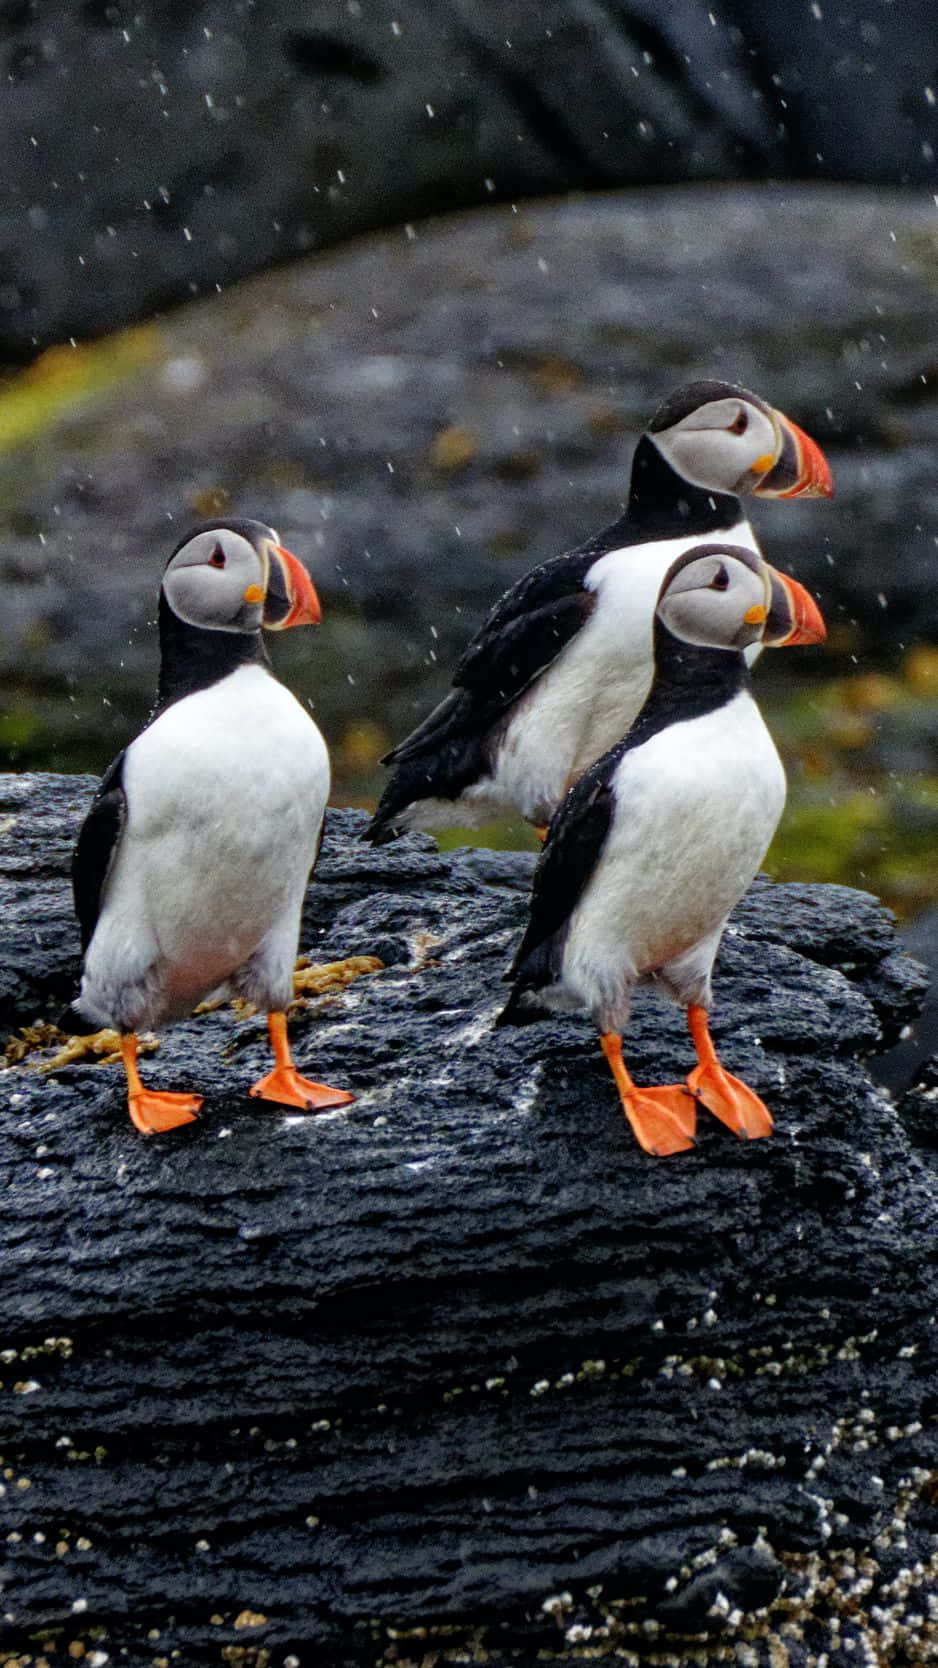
{"x": 154, "y": 151}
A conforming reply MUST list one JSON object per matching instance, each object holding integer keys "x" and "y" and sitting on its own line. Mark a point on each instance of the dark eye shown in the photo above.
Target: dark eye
{"x": 740, "y": 423}
{"x": 720, "y": 580}
{"x": 217, "y": 558}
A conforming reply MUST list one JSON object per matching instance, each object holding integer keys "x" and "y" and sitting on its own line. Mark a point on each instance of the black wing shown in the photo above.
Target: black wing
{"x": 96, "y": 847}
{"x": 522, "y": 636}
{"x": 546, "y": 588}
{"x": 449, "y": 750}
{"x": 575, "y": 841}
{"x": 496, "y": 669}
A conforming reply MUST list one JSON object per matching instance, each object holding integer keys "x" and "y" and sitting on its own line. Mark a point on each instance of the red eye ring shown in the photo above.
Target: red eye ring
{"x": 217, "y": 558}
{"x": 740, "y": 423}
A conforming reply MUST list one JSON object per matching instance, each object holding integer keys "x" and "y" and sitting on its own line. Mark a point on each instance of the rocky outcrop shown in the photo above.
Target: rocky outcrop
{"x": 158, "y": 151}
{"x": 459, "y": 1374}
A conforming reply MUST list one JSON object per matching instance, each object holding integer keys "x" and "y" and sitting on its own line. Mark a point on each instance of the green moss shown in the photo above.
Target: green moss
{"x": 507, "y": 834}
{"x": 33, "y": 400}
{"x": 19, "y": 730}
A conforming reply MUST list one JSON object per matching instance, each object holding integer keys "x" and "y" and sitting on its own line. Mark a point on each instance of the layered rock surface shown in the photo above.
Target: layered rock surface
{"x": 459, "y": 1374}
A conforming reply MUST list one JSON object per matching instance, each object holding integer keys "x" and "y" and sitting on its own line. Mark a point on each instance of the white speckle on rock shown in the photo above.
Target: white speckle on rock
{"x": 557, "y": 1603}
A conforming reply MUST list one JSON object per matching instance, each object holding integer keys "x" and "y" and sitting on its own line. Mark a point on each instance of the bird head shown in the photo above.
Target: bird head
{"x": 236, "y": 576}
{"x": 726, "y": 596}
{"x": 725, "y": 439}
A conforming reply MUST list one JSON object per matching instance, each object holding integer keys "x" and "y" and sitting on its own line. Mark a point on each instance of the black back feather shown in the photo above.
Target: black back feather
{"x": 574, "y": 846}
{"x": 96, "y": 847}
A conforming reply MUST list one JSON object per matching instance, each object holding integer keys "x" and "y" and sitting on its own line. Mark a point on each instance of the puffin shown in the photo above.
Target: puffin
{"x": 657, "y": 842}
{"x": 190, "y": 868}
{"x": 563, "y": 662}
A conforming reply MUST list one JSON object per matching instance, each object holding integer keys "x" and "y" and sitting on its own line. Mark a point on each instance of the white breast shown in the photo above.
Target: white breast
{"x": 225, "y": 798}
{"x": 589, "y": 699}
{"x": 696, "y": 807}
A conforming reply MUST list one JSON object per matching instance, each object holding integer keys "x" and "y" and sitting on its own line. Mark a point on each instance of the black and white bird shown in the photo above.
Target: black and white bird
{"x": 191, "y": 866}
{"x": 563, "y": 663}
{"x": 657, "y": 841}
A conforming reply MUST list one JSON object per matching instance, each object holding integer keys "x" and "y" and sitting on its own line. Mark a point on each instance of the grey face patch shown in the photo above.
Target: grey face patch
{"x": 206, "y": 581}
{"x": 710, "y": 595}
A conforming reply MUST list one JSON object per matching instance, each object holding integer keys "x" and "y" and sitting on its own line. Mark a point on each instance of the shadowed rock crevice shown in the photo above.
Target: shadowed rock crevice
{"x": 461, "y": 1370}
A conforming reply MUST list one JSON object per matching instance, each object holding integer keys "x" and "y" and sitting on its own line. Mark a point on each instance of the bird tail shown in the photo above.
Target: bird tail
{"x": 533, "y": 971}
{"x": 380, "y": 831}
{"x": 74, "y": 1023}
{"x": 522, "y": 1008}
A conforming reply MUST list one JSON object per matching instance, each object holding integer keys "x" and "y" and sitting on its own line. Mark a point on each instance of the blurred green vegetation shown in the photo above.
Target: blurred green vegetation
{"x": 862, "y": 758}
{"x": 32, "y": 400}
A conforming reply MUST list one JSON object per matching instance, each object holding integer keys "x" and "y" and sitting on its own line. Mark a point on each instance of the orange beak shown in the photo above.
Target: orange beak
{"x": 794, "y": 617}
{"x": 291, "y": 594}
{"x": 802, "y": 470}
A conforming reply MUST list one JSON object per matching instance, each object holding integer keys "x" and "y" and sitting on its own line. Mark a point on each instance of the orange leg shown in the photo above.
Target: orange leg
{"x": 284, "y": 1083}
{"x": 726, "y": 1097}
{"x": 540, "y": 829}
{"x": 663, "y": 1120}
{"x": 153, "y": 1110}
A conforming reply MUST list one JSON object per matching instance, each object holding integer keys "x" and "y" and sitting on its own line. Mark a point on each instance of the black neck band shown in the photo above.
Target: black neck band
{"x": 192, "y": 658}
{"x": 689, "y": 681}
{"x": 665, "y": 506}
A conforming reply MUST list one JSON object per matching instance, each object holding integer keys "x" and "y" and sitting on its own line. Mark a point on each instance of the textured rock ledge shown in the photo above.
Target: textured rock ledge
{"x": 460, "y": 1375}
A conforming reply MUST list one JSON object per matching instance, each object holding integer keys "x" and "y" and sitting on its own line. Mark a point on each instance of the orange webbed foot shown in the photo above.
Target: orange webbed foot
{"x": 730, "y": 1100}
{"x": 663, "y": 1120}
{"x": 153, "y": 1111}
{"x": 285, "y": 1085}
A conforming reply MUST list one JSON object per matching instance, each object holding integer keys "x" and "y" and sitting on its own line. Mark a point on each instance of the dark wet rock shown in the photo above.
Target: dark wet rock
{"x": 155, "y": 153}
{"x": 424, "y": 419}
{"x": 899, "y": 1067}
{"x": 918, "y": 1106}
{"x": 746, "y": 1578}
{"x": 459, "y": 1373}
{"x": 40, "y": 949}
{"x": 848, "y": 930}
